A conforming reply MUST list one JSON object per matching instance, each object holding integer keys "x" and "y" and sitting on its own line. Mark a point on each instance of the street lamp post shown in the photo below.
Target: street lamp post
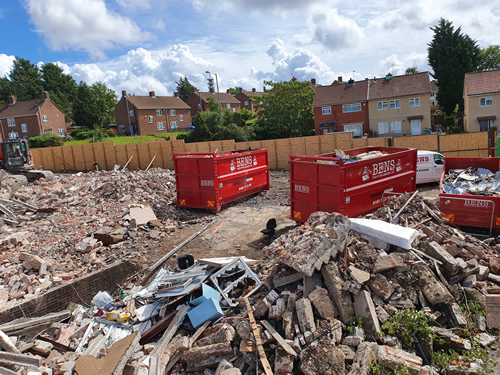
{"x": 218, "y": 94}
{"x": 128, "y": 117}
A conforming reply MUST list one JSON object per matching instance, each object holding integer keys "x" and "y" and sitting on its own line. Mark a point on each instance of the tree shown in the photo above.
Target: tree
{"x": 26, "y": 80}
{"x": 5, "y": 89}
{"x": 213, "y": 105}
{"x": 185, "y": 88}
{"x": 411, "y": 70}
{"x": 94, "y": 105}
{"x": 451, "y": 54}
{"x": 489, "y": 58}
{"x": 286, "y": 110}
{"x": 61, "y": 87}
{"x": 234, "y": 90}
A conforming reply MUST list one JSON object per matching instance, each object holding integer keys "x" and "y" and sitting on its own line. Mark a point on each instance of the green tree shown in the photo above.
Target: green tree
{"x": 185, "y": 88}
{"x": 61, "y": 87}
{"x": 5, "y": 89}
{"x": 234, "y": 90}
{"x": 213, "y": 105}
{"x": 286, "y": 110}
{"x": 26, "y": 80}
{"x": 489, "y": 58}
{"x": 451, "y": 54}
{"x": 411, "y": 70}
{"x": 94, "y": 105}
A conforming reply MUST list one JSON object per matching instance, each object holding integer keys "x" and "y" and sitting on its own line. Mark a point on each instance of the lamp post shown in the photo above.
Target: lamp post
{"x": 218, "y": 94}
{"x": 128, "y": 117}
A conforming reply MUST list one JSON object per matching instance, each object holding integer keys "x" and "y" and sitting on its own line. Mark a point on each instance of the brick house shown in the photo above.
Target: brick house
{"x": 151, "y": 114}
{"x": 30, "y": 118}
{"x": 400, "y": 105}
{"x": 198, "y": 101}
{"x": 481, "y": 100}
{"x": 247, "y": 102}
{"x": 341, "y": 106}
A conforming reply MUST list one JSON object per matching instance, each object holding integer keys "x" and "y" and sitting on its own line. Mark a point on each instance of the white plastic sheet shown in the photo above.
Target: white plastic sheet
{"x": 381, "y": 230}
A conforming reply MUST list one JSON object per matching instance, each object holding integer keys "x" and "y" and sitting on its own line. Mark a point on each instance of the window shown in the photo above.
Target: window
{"x": 395, "y": 104}
{"x": 414, "y": 102}
{"x": 438, "y": 159}
{"x": 228, "y": 105}
{"x": 346, "y": 108}
{"x": 150, "y": 119}
{"x": 131, "y": 113}
{"x": 24, "y": 128}
{"x": 326, "y": 110}
{"x": 382, "y": 106}
{"x": 121, "y": 128}
{"x": 486, "y": 102}
{"x": 199, "y": 106}
{"x": 485, "y": 125}
{"x": 181, "y": 118}
{"x": 45, "y": 118}
{"x": 60, "y": 132}
{"x": 383, "y": 127}
{"x": 11, "y": 122}
{"x": 356, "y": 129}
{"x": 172, "y": 112}
{"x": 13, "y": 135}
{"x": 246, "y": 102}
{"x": 396, "y": 126}
{"x": 173, "y": 125}
{"x": 160, "y": 125}
{"x": 234, "y": 110}
{"x": 158, "y": 112}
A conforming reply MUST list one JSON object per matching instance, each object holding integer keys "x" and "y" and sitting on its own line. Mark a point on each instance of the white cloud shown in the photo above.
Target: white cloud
{"x": 398, "y": 65}
{"x": 82, "y": 24}
{"x": 277, "y": 6}
{"x": 6, "y": 63}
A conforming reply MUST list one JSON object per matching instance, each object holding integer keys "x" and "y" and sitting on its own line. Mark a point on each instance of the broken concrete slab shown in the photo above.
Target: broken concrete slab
{"x": 305, "y": 315}
{"x": 366, "y": 354}
{"x": 358, "y": 275}
{"x": 385, "y": 263}
{"x": 381, "y": 286}
{"x": 322, "y": 358}
{"x": 364, "y": 307}
{"x": 433, "y": 290}
{"x": 322, "y": 303}
{"x": 340, "y": 297}
{"x": 396, "y": 359}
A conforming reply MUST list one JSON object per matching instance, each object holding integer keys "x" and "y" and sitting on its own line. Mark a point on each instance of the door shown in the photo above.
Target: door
{"x": 424, "y": 168}
{"x": 416, "y": 127}
{"x": 437, "y": 167}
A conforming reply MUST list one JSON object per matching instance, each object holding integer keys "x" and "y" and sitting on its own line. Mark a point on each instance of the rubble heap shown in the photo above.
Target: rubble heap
{"x": 477, "y": 181}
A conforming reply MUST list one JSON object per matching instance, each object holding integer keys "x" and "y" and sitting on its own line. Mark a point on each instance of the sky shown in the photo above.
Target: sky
{"x": 148, "y": 45}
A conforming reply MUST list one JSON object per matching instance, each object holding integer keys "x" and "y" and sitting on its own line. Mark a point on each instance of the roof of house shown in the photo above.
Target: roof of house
{"x": 397, "y": 86}
{"x": 478, "y": 83}
{"x": 224, "y": 97}
{"x": 340, "y": 93}
{"x": 21, "y": 108}
{"x": 157, "y": 102}
{"x": 252, "y": 93}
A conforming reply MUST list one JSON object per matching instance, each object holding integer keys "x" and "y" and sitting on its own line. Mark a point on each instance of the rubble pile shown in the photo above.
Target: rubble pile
{"x": 337, "y": 296}
{"x": 477, "y": 181}
{"x": 54, "y": 231}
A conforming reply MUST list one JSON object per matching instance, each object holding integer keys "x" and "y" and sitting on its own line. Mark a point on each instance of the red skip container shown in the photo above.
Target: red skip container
{"x": 327, "y": 183}
{"x": 210, "y": 180}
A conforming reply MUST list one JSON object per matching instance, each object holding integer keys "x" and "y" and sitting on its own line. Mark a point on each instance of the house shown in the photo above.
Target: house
{"x": 341, "y": 106}
{"x": 247, "y": 100}
{"x": 30, "y": 118}
{"x": 481, "y": 100}
{"x": 400, "y": 105}
{"x": 151, "y": 114}
{"x": 198, "y": 101}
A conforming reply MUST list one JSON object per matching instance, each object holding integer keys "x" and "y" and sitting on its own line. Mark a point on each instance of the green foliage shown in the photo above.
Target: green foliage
{"x": 374, "y": 368}
{"x": 82, "y": 134}
{"x": 213, "y": 105}
{"x": 444, "y": 358}
{"x": 239, "y": 134}
{"x": 489, "y": 58}
{"x": 242, "y": 117}
{"x": 405, "y": 322}
{"x": 184, "y": 88}
{"x": 451, "y": 54}
{"x": 110, "y": 133}
{"x": 286, "y": 110}
{"x": 234, "y": 90}
{"x": 94, "y": 105}
{"x": 357, "y": 322}
{"x": 449, "y": 121}
{"x": 411, "y": 70}
{"x": 61, "y": 87}
{"x": 47, "y": 139}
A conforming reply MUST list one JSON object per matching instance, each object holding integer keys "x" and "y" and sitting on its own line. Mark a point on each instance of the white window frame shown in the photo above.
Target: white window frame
{"x": 396, "y": 127}
{"x": 172, "y": 112}
{"x": 356, "y": 129}
{"x": 395, "y": 104}
{"x": 13, "y": 135}
{"x": 355, "y": 107}
{"x": 131, "y": 113}
{"x": 383, "y": 127}
{"x": 181, "y": 118}
{"x": 173, "y": 125}
{"x": 234, "y": 110}
{"x": 60, "y": 132}
{"x": 150, "y": 119}
{"x": 486, "y": 101}
{"x": 121, "y": 128}
{"x": 382, "y": 106}
{"x": 24, "y": 128}
{"x": 246, "y": 102}
{"x": 159, "y": 112}
{"x": 228, "y": 105}
{"x": 11, "y": 122}
{"x": 326, "y": 111}
{"x": 45, "y": 118}
{"x": 160, "y": 125}
{"x": 199, "y": 106}
{"x": 414, "y": 102}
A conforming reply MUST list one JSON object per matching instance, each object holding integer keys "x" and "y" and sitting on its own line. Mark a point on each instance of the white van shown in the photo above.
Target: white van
{"x": 429, "y": 166}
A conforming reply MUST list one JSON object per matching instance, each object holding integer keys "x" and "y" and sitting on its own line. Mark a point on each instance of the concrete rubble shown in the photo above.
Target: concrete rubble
{"x": 319, "y": 305}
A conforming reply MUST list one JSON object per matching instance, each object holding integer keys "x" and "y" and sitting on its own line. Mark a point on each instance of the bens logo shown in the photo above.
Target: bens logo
{"x": 476, "y": 203}
{"x": 207, "y": 182}
{"x": 302, "y": 189}
{"x": 383, "y": 168}
{"x": 246, "y": 162}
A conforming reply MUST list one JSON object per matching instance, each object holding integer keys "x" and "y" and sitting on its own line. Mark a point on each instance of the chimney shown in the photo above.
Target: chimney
{"x": 194, "y": 90}
{"x": 264, "y": 88}
{"x": 294, "y": 79}
{"x": 253, "y": 90}
{"x": 212, "y": 90}
{"x": 313, "y": 81}
{"x": 339, "y": 79}
{"x": 47, "y": 95}
{"x": 124, "y": 93}
{"x": 176, "y": 94}
{"x": 152, "y": 94}
{"x": 228, "y": 91}
{"x": 12, "y": 99}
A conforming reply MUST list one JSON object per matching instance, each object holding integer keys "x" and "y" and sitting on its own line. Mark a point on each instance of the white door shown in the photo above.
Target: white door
{"x": 416, "y": 127}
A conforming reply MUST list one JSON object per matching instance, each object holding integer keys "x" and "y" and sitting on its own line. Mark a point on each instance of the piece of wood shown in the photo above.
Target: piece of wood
{"x": 152, "y": 160}
{"x": 198, "y": 332}
{"x": 278, "y": 338}
{"x": 125, "y": 166}
{"x": 29, "y": 322}
{"x": 157, "y": 328}
{"x": 172, "y": 328}
{"x": 427, "y": 256}
{"x": 172, "y": 362}
{"x": 128, "y": 354}
{"x": 262, "y": 354}
{"x": 404, "y": 206}
{"x": 20, "y": 359}
{"x": 6, "y": 344}
{"x": 282, "y": 281}
{"x": 420, "y": 223}
{"x": 6, "y": 371}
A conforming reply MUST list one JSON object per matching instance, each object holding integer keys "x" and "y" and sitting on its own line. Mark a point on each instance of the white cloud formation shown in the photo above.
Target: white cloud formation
{"x": 6, "y": 63}
{"x": 276, "y": 6}
{"x": 83, "y": 25}
{"x": 397, "y": 65}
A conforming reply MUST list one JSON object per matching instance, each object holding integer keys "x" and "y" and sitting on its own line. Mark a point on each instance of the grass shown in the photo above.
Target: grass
{"x": 125, "y": 140}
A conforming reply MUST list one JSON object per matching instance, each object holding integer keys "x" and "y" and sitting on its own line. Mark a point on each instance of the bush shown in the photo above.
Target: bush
{"x": 47, "y": 139}
{"x": 110, "y": 133}
{"x": 82, "y": 134}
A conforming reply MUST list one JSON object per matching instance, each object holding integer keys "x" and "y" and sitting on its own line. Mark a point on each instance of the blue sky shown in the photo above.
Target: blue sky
{"x": 144, "y": 45}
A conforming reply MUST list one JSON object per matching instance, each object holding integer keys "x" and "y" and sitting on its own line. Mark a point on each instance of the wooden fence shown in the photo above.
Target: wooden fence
{"x": 159, "y": 154}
